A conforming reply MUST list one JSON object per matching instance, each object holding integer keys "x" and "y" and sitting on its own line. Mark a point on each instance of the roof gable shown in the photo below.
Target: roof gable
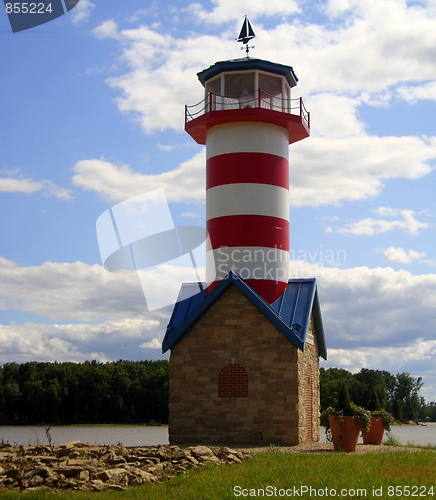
{"x": 290, "y": 314}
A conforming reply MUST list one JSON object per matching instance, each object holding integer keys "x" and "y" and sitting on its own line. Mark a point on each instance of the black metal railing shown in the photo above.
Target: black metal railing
{"x": 215, "y": 102}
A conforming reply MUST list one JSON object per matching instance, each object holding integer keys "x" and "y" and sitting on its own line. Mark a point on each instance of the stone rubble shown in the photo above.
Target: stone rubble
{"x": 92, "y": 467}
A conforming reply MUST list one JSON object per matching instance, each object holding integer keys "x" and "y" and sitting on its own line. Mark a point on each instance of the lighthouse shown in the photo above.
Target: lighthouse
{"x": 244, "y": 363}
{"x": 247, "y": 120}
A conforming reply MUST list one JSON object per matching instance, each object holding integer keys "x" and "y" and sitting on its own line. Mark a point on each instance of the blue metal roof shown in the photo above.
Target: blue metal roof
{"x": 290, "y": 313}
{"x": 247, "y": 64}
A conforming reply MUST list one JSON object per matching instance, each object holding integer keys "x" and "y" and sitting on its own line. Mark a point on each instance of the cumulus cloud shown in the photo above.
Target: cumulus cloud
{"x": 14, "y": 181}
{"x": 227, "y": 10}
{"x": 369, "y": 308}
{"x": 371, "y": 227}
{"x": 107, "y": 29}
{"x": 155, "y": 343}
{"x": 402, "y": 256}
{"x": 82, "y": 11}
{"x": 416, "y": 93}
{"x": 161, "y": 72}
{"x": 329, "y": 171}
{"x": 78, "y": 291}
{"x": 117, "y": 183}
{"x": 73, "y": 291}
{"x": 107, "y": 341}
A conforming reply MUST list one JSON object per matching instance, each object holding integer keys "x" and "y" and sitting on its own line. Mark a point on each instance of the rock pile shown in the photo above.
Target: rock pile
{"x": 92, "y": 467}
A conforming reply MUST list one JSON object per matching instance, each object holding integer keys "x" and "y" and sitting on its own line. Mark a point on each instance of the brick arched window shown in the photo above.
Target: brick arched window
{"x": 233, "y": 382}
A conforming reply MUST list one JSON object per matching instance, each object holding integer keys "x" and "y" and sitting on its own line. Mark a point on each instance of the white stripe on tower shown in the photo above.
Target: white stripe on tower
{"x": 247, "y": 202}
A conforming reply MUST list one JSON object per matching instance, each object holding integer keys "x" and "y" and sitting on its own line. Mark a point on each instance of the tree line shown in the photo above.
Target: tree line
{"x": 137, "y": 392}
{"x": 398, "y": 394}
{"x": 90, "y": 392}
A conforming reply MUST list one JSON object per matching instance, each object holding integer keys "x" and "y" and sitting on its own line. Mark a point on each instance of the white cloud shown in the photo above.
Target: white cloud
{"x": 331, "y": 170}
{"x": 77, "y": 342}
{"x": 81, "y": 11}
{"x": 107, "y": 29}
{"x": 373, "y": 308}
{"x": 69, "y": 291}
{"x": 171, "y": 147}
{"x": 190, "y": 214}
{"x": 80, "y": 292}
{"x": 416, "y": 93}
{"x": 228, "y": 10}
{"x": 370, "y": 227}
{"x": 117, "y": 183}
{"x": 400, "y": 255}
{"x": 392, "y": 359}
{"x": 387, "y": 211}
{"x": 15, "y": 182}
{"x": 152, "y": 344}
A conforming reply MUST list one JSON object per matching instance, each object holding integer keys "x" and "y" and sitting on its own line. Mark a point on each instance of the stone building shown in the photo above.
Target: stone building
{"x": 244, "y": 371}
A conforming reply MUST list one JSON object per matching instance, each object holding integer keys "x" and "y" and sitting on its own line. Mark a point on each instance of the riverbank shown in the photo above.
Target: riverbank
{"x": 92, "y": 467}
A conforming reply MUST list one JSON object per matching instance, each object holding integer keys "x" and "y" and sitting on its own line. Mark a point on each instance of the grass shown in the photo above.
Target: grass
{"x": 334, "y": 471}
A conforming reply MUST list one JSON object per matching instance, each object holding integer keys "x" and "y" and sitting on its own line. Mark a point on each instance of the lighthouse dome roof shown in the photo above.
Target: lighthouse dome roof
{"x": 247, "y": 63}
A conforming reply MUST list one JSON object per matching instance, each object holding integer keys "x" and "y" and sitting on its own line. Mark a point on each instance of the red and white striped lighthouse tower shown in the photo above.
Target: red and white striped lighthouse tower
{"x": 247, "y": 121}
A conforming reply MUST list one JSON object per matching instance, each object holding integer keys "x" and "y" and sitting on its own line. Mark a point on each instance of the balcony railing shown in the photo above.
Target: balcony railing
{"x": 214, "y": 102}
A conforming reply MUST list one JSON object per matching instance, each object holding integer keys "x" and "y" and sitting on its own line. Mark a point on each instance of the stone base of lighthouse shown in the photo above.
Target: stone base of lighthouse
{"x": 235, "y": 378}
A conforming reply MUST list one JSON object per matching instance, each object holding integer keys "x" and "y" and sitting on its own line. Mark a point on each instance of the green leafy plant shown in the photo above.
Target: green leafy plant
{"x": 377, "y": 411}
{"x": 346, "y": 408}
{"x": 374, "y": 402}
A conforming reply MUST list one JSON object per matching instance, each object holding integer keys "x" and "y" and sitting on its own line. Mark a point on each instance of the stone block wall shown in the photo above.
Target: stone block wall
{"x": 234, "y": 378}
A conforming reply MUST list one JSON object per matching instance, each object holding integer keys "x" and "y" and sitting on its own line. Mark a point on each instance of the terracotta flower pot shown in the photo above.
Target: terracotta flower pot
{"x": 345, "y": 432}
{"x": 375, "y": 433}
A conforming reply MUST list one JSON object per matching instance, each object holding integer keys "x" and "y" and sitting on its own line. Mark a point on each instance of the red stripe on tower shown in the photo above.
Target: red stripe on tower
{"x": 247, "y": 167}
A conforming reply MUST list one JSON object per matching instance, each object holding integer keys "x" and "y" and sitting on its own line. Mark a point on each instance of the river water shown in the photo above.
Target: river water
{"x": 137, "y": 435}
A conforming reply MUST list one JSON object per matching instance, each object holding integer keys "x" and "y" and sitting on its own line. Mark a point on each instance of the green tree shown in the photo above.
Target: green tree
{"x": 406, "y": 401}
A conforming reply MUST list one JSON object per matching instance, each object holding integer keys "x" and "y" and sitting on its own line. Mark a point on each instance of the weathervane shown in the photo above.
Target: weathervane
{"x": 246, "y": 35}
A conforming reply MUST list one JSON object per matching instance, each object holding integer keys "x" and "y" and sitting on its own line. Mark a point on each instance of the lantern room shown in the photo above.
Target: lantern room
{"x": 238, "y": 81}
{"x": 254, "y": 89}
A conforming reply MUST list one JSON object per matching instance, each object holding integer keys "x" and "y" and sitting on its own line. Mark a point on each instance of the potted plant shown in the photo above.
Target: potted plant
{"x": 381, "y": 421}
{"x": 345, "y": 421}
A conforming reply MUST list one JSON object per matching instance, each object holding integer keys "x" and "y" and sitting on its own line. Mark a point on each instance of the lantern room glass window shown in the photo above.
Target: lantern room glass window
{"x": 238, "y": 84}
{"x": 214, "y": 86}
{"x": 241, "y": 90}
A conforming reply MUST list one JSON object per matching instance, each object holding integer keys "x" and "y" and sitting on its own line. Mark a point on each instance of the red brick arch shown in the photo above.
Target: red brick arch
{"x": 233, "y": 382}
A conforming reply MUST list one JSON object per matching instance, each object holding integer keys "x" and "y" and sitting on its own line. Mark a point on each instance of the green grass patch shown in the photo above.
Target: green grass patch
{"x": 343, "y": 475}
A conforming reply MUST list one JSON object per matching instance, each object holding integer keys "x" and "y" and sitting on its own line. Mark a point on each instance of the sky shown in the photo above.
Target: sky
{"x": 92, "y": 107}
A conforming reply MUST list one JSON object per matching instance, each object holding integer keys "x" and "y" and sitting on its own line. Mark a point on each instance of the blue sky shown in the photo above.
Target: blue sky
{"x": 93, "y": 113}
